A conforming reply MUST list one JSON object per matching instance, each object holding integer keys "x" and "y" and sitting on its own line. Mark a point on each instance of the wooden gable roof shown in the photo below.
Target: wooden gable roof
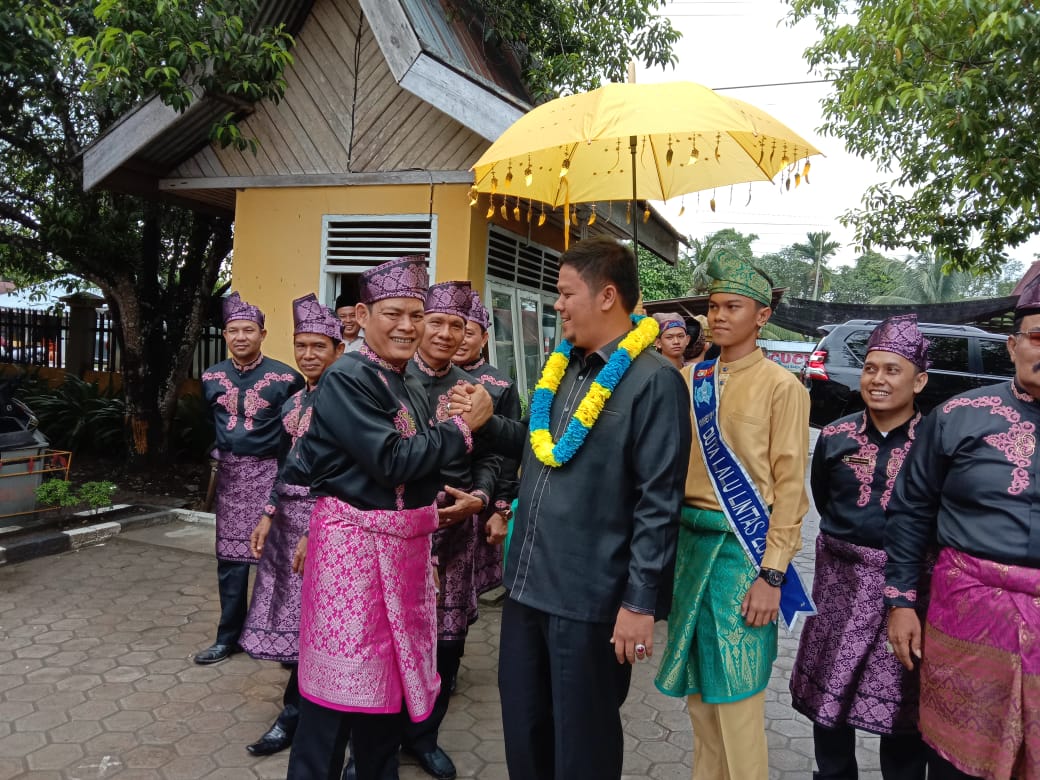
{"x": 370, "y": 91}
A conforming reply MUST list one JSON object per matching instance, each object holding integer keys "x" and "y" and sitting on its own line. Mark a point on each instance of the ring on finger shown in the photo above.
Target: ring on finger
{"x": 640, "y": 650}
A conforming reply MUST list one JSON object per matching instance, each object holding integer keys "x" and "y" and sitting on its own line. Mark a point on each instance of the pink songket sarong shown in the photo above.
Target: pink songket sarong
{"x": 368, "y": 627}
{"x": 980, "y": 676}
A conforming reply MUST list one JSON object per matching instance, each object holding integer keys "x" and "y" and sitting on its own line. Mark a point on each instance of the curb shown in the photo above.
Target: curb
{"x": 54, "y": 541}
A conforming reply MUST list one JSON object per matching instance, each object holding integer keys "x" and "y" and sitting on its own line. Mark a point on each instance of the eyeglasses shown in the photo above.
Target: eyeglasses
{"x": 1032, "y": 335}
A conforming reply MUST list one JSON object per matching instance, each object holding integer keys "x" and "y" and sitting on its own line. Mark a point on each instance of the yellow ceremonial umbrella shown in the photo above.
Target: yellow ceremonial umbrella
{"x": 637, "y": 141}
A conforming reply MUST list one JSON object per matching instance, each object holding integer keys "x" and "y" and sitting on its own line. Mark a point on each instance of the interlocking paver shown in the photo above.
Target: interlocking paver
{"x": 96, "y": 680}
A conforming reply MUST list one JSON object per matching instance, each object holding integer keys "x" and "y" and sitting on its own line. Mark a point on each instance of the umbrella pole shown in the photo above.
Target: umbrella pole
{"x": 635, "y": 210}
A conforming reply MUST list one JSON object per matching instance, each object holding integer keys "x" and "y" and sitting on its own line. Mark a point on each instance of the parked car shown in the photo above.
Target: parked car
{"x": 962, "y": 357}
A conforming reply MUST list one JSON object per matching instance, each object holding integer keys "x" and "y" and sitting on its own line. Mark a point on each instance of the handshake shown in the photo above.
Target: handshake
{"x": 472, "y": 403}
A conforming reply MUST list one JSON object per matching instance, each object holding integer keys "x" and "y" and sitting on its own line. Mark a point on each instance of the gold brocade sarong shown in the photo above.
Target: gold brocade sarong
{"x": 711, "y": 650}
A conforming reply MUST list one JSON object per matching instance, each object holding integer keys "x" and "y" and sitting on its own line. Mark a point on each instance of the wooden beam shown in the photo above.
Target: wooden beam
{"x": 130, "y": 135}
{"x": 319, "y": 180}
{"x": 394, "y": 33}
{"x": 473, "y": 105}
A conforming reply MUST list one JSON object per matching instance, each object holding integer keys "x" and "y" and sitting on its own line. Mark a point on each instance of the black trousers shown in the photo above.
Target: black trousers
{"x": 289, "y": 717}
{"x": 903, "y": 756}
{"x": 321, "y": 741}
{"x": 421, "y": 737}
{"x": 562, "y": 690}
{"x": 233, "y": 584}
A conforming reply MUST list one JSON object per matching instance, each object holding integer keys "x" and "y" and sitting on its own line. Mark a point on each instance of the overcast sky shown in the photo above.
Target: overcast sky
{"x": 745, "y": 43}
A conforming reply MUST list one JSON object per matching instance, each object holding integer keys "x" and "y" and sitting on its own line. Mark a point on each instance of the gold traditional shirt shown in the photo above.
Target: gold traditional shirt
{"x": 764, "y": 417}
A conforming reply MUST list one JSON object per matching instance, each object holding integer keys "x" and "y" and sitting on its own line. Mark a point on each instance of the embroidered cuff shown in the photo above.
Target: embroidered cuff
{"x": 502, "y": 505}
{"x": 269, "y": 510}
{"x": 484, "y": 497}
{"x": 467, "y": 434}
{"x": 900, "y": 598}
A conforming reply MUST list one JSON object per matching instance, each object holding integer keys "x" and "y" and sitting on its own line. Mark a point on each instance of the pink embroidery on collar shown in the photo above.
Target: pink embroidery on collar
{"x": 470, "y": 368}
{"x": 427, "y": 369}
{"x": 248, "y": 366}
{"x": 1021, "y": 395}
{"x": 366, "y": 351}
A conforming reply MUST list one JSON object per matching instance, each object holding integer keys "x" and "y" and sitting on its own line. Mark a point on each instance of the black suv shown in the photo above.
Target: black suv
{"x": 962, "y": 357}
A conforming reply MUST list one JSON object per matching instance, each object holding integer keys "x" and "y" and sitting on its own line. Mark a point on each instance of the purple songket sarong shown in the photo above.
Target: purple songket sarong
{"x": 244, "y": 483}
{"x": 272, "y": 626}
{"x": 368, "y": 627}
{"x": 487, "y": 558}
{"x": 844, "y": 674}
{"x": 980, "y": 674}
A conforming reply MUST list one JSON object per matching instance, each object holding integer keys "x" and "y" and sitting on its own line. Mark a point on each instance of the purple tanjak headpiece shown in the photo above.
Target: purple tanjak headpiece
{"x": 478, "y": 313}
{"x": 309, "y": 316}
{"x": 234, "y": 308}
{"x": 1029, "y": 298}
{"x": 900, "y": 336}
{"x": 405, "y": 277}
{"x": 449, "y": 298}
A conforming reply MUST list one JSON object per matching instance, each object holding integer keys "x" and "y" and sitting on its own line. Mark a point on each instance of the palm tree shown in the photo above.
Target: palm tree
{"x": 926, "y": 281}
{"x": 700, "y": 252}
{"x": 818, "y": 248}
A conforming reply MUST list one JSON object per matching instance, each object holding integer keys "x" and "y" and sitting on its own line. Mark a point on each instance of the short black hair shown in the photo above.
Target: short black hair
{"x": 603, "y": 261}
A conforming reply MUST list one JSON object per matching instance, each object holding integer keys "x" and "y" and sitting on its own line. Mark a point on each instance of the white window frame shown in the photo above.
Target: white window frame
{"x": 370, "y": 255}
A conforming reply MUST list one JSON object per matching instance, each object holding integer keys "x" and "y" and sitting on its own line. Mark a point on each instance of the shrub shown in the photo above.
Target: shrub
{"x": 60, "y": 493}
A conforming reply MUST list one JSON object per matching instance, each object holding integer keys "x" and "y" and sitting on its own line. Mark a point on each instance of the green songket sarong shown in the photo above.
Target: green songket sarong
{"x": 711, "y": 650}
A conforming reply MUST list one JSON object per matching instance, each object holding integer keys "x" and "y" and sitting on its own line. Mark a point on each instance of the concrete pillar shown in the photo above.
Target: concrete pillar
{"x": 79, "y": 348}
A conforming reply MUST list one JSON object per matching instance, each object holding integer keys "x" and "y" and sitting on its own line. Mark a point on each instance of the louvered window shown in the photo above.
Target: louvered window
{"x": 350, "y": 243}
{"x": 526, "y": 265}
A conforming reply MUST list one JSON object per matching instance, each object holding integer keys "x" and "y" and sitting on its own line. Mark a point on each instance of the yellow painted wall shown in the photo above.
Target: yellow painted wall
{"x": 278, "y": 232}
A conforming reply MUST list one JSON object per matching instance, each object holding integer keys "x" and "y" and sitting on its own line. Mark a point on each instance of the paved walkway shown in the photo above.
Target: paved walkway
{"x": 96, "y": 679}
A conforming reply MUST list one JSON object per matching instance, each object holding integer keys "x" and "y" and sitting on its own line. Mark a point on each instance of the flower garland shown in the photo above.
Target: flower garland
{"x": 556, "y": 454}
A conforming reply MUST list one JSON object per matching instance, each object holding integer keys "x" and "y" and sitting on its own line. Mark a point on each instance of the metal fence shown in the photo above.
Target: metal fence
{"x": 38, "y": 338}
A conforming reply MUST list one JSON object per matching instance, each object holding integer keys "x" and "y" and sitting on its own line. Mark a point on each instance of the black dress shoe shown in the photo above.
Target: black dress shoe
{"x": 435, "y": 763}
{"x": 214, "y": 653}
{"x": 273, "y": 741}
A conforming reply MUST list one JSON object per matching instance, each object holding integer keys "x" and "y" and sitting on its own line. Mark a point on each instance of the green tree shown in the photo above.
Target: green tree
{"x": 945, "y": 93}
{"x": 818, "y": 247}
{"x": 872, "y": 275}
{"x": 701, "y": 250}
{"x": 659, "y": 280}
{"x": 565, "y": 46}
{"x": 71, "y": 69}
{"x": 791, "y": 269}
{"x": 926, "y": 280}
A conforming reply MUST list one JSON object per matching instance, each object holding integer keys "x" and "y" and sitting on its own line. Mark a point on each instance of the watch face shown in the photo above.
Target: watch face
{"x": 774, "y": 578}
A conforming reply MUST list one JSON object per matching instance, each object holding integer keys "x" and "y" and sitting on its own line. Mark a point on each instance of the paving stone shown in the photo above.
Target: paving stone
{"x": 107, "y": 671}
{"x": 55, "y": 757}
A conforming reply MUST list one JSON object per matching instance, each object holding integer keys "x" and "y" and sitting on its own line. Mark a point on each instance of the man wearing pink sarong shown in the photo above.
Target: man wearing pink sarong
{"x": 971, "y": 481}
{"x": 368, "y": 622}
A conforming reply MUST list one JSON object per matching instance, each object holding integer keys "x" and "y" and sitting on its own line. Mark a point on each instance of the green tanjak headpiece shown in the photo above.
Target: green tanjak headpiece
{"x": 733, "y": 274}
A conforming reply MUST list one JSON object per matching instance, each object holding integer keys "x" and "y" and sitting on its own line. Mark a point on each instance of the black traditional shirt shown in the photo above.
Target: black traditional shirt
{"x": 477, "y": 473}
{"x": 506, "y": 400}
{"x": 247, "y": 402}
{"x": 296, "y": 419}
{"x": 854, "y": 470}
{"x": 369, "y": 442}
{"x": 600, "y": 531}
{"x": 971, "y": 479}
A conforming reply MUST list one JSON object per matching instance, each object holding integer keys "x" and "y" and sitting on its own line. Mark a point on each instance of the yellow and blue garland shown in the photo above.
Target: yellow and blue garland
{"x": 555, "y": 454}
